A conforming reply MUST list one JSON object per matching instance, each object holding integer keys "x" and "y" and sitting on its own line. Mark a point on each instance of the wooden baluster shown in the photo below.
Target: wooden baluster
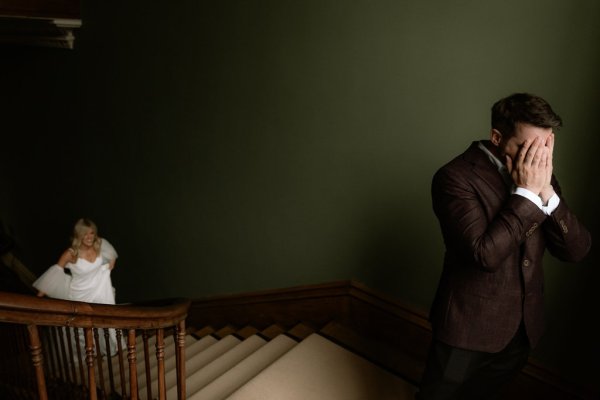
{"x": 37, "y": 358}
{"x": 180, "y": 358}
{"x": 70, "y": 341}
{"x": 147, "y": 365}
{"x": 6, "y": 338}
{"x": 160, "y": 358}
{"x": 82, "y": 379}
{"x": 65, "y": 350}
{"x": 89, "y": 359}
{"x": 63, "y": 354}
{"x": 111, "y": 377}
{"x": 23, "y": 372}
{"x": 53, "y": 352}
{"x": 47, "y": 352}
{"x": 45, "y": 339}
{"x": 45, "y": 345}
{"x": 12, "y": 341}
{"x": 99, "y": 356}
{"x": 121, "y": 366}
{"x": 131, "y": 357}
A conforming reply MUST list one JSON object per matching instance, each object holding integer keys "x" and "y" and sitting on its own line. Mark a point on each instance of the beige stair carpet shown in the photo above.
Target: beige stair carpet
{"x": 168, "y": 350}
{"x": 219, "y": 366}
{"x": 318, "y": 369}
{"x": 192, "y": 348}
{"x": 194, "y": 363}
{"x": 139, "y": 348}
{"x": 245, "y": 370}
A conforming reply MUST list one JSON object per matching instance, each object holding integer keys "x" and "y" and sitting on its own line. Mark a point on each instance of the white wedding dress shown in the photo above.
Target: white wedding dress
{"x": 89, "y": 282}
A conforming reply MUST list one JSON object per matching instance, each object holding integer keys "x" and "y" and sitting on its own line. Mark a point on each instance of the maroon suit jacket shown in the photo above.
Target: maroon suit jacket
{"x": 492, "y": 277}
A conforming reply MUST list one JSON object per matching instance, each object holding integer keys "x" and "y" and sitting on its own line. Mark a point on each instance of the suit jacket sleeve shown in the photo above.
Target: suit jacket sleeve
{"x": 566, "y": 238}
{"x": 486, "y": 224}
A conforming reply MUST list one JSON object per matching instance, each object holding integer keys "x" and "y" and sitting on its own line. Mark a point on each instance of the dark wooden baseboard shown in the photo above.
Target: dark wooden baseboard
{"x": 394, "y": 335}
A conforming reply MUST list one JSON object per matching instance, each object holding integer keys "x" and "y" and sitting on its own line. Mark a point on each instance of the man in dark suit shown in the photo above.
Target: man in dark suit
{"x": 499, "y": 207}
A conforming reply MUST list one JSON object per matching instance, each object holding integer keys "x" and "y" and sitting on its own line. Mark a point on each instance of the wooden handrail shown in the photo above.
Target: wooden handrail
{"x": 52, "y": 321}
{"x": 25, "y": 309}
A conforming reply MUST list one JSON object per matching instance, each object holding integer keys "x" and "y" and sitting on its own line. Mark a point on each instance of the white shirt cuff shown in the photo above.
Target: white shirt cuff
{"x": 553, "y": 203}
{"x": 546, "y": 209}
{"x": 529, "y": 195}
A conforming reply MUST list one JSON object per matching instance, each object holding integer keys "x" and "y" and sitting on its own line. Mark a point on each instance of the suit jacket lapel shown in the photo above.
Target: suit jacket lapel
{"x": 483, "y": 167}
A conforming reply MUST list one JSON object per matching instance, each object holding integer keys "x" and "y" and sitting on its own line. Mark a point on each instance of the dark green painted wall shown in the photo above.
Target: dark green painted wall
{"x": 236, "y": 145}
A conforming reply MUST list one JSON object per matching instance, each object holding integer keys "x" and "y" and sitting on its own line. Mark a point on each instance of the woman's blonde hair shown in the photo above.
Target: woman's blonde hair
{"x": 79, "y": 231}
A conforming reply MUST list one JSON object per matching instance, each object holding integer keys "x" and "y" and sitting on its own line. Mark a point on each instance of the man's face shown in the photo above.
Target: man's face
{"x": 510, "y": 146}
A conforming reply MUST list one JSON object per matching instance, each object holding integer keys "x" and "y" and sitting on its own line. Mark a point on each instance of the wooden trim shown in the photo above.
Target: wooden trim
{"x": 24, "y": 309}
{"x": 314, "y": 305}
{"x": 397, "y": 335}
{"x": 41, "y": 8}
{"x": 46, "y": 23}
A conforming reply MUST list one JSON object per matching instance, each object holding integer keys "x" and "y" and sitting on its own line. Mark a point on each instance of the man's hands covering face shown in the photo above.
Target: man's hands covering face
{"x": 532, "y": 167}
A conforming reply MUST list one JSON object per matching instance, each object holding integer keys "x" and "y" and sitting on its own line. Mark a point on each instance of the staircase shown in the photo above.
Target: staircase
{"x": 361, "y": 346}
{"x": 272, "y": 357}
{"x": 276, "y": 364}
{"x": 276, "y": 360}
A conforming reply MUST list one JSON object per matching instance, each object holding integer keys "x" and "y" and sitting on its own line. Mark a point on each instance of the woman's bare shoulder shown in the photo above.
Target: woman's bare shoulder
{"x": 68, "y": 256}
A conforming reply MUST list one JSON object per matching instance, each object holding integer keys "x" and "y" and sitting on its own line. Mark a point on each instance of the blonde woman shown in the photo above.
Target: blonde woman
{"x": 90, "y": 260}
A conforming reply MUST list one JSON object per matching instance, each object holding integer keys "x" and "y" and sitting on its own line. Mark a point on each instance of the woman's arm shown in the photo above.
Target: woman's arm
{"x": 67, "y": 257}
{"x": 109, "y": 254}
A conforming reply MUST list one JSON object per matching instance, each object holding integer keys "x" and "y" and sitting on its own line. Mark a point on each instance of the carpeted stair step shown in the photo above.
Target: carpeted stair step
{"x": 401, "y": 362}
{"x": 245, "y": 370}
{"x": 169, "y": 353}
{"x": 272, "y": 331}
{"x": 203, "y": 376}
{"x": 194, "y": 363}
{"x": 300, "y": 331}
{"x": 225, "y": 331}
{"x": 200, "y": 333}
{"x": 192, "y": 348}
{"x": 317, "y": 368}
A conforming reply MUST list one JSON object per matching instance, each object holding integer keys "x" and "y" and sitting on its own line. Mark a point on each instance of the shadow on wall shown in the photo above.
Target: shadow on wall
{"x": 578, "y": 342}
{"x": 401, "y": 255}
{"x": 574, "y": 287}
{"x": 576, "y": 290}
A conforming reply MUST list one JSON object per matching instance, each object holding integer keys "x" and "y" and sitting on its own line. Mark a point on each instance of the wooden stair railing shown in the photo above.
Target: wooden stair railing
{"x": 47, "y": 331}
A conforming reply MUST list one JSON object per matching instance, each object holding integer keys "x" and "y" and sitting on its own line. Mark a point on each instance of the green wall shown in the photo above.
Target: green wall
{"x": 235, "y": 146}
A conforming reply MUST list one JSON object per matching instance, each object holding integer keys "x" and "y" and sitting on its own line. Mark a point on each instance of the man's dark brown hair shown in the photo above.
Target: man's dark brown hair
{"x": 524, "y": 108}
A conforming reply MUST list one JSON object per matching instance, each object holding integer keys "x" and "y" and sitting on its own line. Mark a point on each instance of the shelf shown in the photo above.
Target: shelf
{"x": 39, "y": 23}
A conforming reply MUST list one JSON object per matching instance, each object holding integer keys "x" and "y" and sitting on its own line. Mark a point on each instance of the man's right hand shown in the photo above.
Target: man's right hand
{"x": 548, "y": 191}
{"x": 532, "y": 168}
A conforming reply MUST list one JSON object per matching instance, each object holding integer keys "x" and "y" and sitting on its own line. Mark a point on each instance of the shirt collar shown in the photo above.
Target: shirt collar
{"x": 501, "y": 167}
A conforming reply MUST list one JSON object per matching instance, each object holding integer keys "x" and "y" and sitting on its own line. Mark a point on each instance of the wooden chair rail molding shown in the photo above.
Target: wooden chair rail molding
{"x": 392, "y": 334}
{"x": 63, "y": 364}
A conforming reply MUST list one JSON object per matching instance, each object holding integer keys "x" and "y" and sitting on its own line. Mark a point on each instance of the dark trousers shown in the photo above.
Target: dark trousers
{"x": 453, "y": 373}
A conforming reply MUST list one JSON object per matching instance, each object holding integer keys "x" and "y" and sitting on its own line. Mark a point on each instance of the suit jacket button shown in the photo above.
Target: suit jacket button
{"x": 526, "y": 263}
{"x": 530, "y": 231}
